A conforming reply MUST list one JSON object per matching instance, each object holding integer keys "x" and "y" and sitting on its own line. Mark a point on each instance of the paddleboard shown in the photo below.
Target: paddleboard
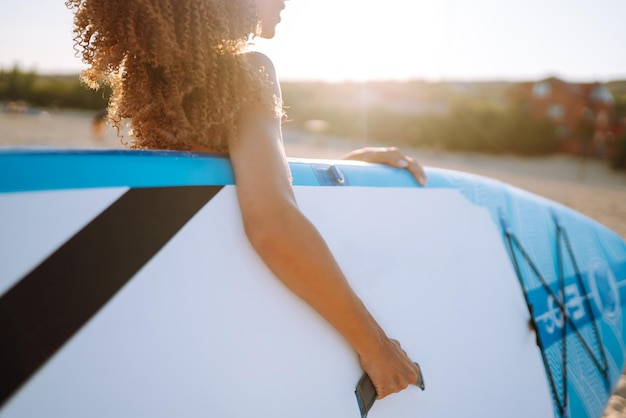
{"x": 128, "y": 288}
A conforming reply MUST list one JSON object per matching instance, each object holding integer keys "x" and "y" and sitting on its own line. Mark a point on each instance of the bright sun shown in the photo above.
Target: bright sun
{"x": 450, "y": 39}
{"x": 356, "y": 40}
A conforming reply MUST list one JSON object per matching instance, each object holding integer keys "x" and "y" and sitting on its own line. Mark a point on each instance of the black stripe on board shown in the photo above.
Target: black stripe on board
{"x": 49, "y": 305}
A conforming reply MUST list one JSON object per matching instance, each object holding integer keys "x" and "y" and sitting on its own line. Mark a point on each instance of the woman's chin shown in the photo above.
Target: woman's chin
{"x": 268, "y": 34}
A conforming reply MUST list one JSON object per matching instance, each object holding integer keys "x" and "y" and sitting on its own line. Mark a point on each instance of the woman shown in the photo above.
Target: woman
{"x": 181, "y": 74}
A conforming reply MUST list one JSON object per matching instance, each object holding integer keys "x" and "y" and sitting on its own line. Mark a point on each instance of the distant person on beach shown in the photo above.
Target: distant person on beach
{"x": 585, "y": 130}
{"x": 181, "y": 72}
{"x": 98, "y": 124}
{"x": 618, "y": 146}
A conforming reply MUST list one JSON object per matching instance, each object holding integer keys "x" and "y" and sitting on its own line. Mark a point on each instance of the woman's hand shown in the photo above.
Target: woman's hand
{"x": 389, "y": 368}
{"x": 391, "y": 156}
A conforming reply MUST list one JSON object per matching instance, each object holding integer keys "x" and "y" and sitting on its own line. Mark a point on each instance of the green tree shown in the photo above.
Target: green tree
{"x": 16, "y": 84}
{"x": 47, "y": 91}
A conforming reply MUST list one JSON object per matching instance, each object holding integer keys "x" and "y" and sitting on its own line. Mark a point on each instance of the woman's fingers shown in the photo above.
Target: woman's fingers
{"x": 409, "y": 376}
{"x": 398, "y": 159}
{"x": 417, "y": 170}
{"x": 390, "y": 156}
{"x": 390, "y": 369}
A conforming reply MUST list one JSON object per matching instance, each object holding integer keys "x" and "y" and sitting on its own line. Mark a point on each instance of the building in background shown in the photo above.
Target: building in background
{"x": 582, "y": 112}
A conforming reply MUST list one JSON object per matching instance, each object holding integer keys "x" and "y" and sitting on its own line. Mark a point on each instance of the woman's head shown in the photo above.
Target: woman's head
{"x": 176, "y": 66}
{"x": 269, "y": 15}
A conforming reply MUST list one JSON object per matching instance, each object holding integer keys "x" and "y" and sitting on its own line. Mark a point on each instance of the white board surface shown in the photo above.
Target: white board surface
{"x": 204, "y": 329}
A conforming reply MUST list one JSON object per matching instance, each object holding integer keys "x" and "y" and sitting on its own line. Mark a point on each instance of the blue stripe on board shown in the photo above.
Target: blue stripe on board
{"x": 52, "y": 169}
{"x": 367, "y": 175}
{"x": 30, "y": 170}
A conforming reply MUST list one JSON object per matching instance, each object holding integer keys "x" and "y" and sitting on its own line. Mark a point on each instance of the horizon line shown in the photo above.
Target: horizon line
{"x": 346, "y": 80}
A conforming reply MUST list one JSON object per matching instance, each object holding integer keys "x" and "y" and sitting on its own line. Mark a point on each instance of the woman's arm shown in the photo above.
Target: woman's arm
{"x": 295, "y": 251}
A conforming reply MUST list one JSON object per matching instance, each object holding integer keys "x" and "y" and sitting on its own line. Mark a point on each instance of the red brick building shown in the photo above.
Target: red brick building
{"x": 582, "y": 112}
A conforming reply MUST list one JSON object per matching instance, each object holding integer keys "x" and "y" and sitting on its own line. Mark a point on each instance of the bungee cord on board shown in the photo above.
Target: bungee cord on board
{"x": 601, "y": 363}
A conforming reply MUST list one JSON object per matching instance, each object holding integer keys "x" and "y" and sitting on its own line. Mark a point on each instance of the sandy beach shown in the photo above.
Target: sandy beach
{"x": 589, "y": 187}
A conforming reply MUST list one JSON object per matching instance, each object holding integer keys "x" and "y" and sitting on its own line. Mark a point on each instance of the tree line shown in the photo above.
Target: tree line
{"x": 448, "y": 118}
{"x": 62, "y": 91}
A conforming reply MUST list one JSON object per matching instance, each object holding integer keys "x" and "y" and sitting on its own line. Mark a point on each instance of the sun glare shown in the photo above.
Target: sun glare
{"x": 401, "y": 39}
{"x": 356, "y": 40}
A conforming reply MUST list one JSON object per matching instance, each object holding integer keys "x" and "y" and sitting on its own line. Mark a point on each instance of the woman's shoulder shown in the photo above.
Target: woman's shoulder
{"x": 261, "y": 61}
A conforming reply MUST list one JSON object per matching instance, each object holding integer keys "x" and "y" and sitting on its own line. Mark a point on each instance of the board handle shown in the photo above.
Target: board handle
{"x": 366, "y": 392}
{"x": 336, "y": 174}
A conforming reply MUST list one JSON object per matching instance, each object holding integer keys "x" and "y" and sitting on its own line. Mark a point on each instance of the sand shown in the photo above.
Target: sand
{"x": 589, "y": 187}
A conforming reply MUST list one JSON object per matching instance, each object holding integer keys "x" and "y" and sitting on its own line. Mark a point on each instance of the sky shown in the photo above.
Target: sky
{"x": 338, "y": 40}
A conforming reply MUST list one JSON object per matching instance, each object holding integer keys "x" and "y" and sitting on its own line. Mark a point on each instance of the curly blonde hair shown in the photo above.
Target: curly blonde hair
{"x": 176, "y": 67}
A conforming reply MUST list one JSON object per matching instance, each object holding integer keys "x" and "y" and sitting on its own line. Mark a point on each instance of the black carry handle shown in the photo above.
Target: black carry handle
{"x": 366, "y": 392}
